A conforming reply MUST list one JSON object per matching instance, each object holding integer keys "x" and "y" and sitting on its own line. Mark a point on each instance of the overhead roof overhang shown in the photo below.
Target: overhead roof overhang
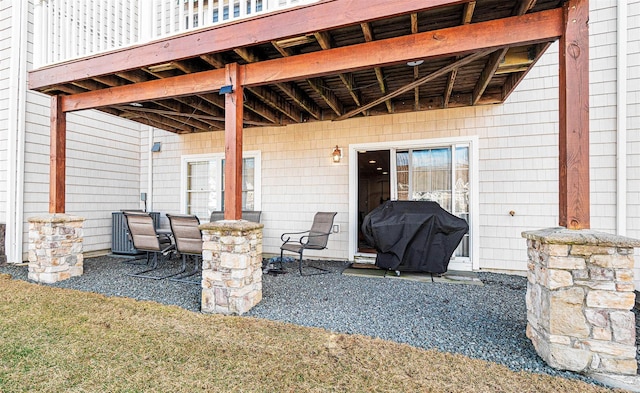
{"x": 331, "y": 60}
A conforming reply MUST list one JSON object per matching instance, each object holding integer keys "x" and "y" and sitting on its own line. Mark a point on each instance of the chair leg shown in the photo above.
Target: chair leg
{"x": 196, "y": 269}
{"x": 154, "y": 266}
{"x": 319, "y": 269}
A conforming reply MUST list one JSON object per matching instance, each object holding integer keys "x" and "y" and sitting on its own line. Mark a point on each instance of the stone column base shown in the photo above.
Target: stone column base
{"x": 231, "y": 266}
{"x": 580, "y": 294}
{"x": 55, "y": 247}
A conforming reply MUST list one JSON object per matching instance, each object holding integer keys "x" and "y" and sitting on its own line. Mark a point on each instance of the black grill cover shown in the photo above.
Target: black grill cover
{"x": 413, "y": 236}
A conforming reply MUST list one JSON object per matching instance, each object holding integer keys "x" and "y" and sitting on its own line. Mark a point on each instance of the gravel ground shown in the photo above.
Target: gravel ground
{"x": 484, "y": 322}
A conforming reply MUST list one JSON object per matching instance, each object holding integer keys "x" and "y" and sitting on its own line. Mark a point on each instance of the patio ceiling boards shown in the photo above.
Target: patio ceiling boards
{"x": 329, "y": 60}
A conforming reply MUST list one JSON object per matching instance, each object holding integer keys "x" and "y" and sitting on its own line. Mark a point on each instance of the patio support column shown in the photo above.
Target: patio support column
{"x": 57, "y": 165}
{"x": 55, "y": 240}
{"x": 233, "y": 113}
{"x": 574, "y": 117}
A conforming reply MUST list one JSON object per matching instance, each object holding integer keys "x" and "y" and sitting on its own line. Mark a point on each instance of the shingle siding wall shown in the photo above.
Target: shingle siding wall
{"x": 518, "y": 155}
{"x": 103, "y": 168}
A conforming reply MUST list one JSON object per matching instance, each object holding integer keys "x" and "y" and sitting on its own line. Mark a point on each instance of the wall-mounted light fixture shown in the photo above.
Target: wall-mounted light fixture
{"x": 157, "y": 146}
{"x": 336, "y": 156}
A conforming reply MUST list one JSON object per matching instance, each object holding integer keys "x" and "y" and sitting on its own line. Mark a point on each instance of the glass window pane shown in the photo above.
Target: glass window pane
{"x": 248, "y": 183}
{"x": 431, "y": 176}
{"x": 202, "y": 195}
{"x": 402, "y": 172}
{"x": 462, "y": 195}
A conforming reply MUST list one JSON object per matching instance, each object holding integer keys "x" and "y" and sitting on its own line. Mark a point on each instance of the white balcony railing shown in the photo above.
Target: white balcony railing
{"x": 70, "y": 29}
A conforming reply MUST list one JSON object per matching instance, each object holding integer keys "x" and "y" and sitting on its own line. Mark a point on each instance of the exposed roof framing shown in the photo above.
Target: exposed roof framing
{"x": 326, "y": 61}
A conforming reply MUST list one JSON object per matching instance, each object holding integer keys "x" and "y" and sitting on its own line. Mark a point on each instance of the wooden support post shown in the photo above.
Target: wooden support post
{"x": 57, "y": 165}
{"x": 233, "y": 112}
{"x": 574, "y": 117}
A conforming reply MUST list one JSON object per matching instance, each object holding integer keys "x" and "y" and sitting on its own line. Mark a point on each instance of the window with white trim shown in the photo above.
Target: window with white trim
{"x": 203, "y": 184}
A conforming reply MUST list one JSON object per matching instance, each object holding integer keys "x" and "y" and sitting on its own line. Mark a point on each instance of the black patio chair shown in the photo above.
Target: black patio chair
{"x": 315, "y": 238}
{"x": 188, "y": 240}
{"x": 145, "y": 238}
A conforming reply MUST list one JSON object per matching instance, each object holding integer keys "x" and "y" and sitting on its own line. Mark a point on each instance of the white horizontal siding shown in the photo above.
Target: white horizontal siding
{"x": 5, "y": 51}
{"x": 633, "y": 127}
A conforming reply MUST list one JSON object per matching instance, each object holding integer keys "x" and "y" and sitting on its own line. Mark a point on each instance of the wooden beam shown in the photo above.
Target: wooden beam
{"x": 233, "y": 144}
{"x": 486, "y": 74}
{"x": 202, "y": 82}
{"x": 320, "y": 16}
{"x": 519, "y": 30}
{"x": 57, "y": 157}
{"x": 574, "y": 117}
{"x": 412, "y": 85}
{"x": 467, "y": 14}
{"x": 453, "y": 41}
{"x": 514, "y": 79}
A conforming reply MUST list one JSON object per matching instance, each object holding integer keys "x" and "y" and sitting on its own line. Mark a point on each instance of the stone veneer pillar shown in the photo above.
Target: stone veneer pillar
{"x": 55, "y": 247}
{"x": 580, "y": 294}
{"x": 231, "y": 266}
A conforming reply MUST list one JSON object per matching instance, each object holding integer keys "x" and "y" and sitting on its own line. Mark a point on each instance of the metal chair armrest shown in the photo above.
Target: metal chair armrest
{"x": 304, "y": 242}
{"x": 290, "y": 233}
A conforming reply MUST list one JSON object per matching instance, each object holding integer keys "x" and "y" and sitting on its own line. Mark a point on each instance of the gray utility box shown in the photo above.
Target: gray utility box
{"x": 120, "y": 242}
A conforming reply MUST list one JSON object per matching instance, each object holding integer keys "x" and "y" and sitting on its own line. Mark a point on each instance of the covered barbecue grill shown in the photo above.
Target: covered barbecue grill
{"x": 413, "y": 236}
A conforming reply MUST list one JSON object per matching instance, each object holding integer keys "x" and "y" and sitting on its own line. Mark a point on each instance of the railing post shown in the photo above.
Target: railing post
{"x": 38, "y": 35}
{"x": 145, "y": 20}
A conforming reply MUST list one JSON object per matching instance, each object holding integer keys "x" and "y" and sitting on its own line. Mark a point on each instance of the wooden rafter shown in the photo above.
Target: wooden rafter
{"x": 367, "y": 31}
{"x": 495, "y": 59}
{"x": 467, "y": 16}
{"x": 327, "y": 95}
{"x": 274, "y": 100}
{"x": 416, "y": 69}
{"x": 515, "y": 78}
{"x": 284, "y": 107}
{"x": 443, "y": 71}
{"x": 324, "y": 39}
{"x": 317, "y": 85}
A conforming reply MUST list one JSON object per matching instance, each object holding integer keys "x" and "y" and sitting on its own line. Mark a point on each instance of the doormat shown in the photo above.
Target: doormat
{"x": 450, "y": 277}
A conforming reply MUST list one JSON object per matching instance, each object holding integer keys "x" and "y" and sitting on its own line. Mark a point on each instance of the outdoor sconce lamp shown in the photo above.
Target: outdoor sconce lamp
{"x": 336, "y": 155}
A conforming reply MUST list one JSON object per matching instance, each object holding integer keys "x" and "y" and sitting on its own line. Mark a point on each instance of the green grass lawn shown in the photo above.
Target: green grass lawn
{"x": 58, "y": 340}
